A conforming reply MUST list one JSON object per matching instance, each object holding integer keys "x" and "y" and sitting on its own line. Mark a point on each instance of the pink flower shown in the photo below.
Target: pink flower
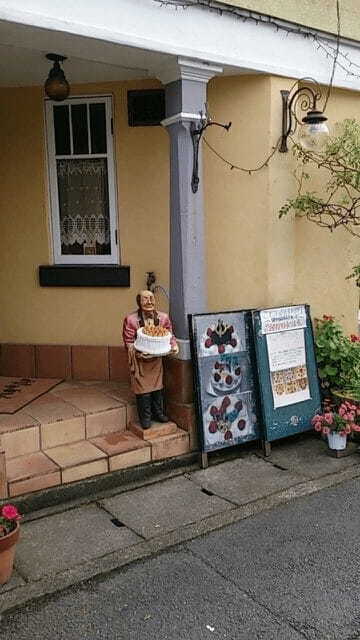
{"x": 354, "y": 338}
{"x": 347, "y": 429}
{"x": 10, "y": 512}
{"x": 328, "y": 417}
{"x": 342, "y": 433}
{"x": 342, "y": 410}
{"x": 317, "y": 426}
{"x": 356, "y": 427}
{"x": 326, "y": 431}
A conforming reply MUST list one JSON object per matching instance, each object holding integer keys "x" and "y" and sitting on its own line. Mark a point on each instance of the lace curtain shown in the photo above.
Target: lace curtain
{"x": 84, "y": 206}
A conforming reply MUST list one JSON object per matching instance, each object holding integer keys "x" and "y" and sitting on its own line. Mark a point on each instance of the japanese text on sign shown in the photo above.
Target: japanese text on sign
{"x": 282, "y": 319}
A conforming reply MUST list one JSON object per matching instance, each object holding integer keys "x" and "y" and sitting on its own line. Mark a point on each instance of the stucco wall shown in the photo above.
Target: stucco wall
{"x": 320, "y": 14}
{"x": 74, "y": 315}
{"x": 253, "y": 259}
{"x": 324, "y": 259}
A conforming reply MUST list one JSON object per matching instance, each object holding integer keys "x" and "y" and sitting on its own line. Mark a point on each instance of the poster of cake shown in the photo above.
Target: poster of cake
{"x": 224, "y": 378}
{"x": 287, "y": 364}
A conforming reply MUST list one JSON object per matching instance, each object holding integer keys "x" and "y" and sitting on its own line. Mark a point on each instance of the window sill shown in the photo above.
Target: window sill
{"x": 75, "y": 275}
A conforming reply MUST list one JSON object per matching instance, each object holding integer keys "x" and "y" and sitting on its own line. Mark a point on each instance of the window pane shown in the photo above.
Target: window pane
{"x": 98, "y": 128}
{"x": 79, "y": 128}
{"x": 84, "y": 206}
{"x": 62, "y": 130}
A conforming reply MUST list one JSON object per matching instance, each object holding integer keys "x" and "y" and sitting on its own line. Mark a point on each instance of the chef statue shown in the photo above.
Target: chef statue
{"x": 146, "y": 371}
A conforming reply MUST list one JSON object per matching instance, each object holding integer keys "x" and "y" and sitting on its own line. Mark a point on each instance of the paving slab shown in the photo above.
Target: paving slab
{"x": 55, "y": 543}
{"x": 15, "y": 581}
{"x": 245, "y": 479}
{"x": 309, "y": 458}
{"x": 163, "y": 507}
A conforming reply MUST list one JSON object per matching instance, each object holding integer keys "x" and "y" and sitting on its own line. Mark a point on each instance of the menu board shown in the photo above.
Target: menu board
{"x": 287, "y": 371}
{"x": 225, "y": 378}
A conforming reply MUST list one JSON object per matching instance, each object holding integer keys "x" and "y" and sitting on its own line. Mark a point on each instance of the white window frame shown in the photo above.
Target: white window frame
{"x": 113, "y": 257}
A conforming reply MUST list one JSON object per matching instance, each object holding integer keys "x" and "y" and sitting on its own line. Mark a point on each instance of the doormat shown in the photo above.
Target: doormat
{"x": 16, "y": 393}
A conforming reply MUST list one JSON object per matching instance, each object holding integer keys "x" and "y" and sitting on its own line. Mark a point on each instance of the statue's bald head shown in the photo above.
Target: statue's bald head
{"x": 146, "y": 301}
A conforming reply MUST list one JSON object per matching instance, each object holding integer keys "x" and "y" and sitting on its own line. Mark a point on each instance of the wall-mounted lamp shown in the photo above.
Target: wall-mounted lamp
{"x": 56, "y": 86}
{"x": 196, "y": 131}
{"x": 314, "y": 131}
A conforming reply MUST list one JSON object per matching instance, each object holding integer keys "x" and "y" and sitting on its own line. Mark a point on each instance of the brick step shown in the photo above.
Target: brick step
{"x": 86, "y": 458}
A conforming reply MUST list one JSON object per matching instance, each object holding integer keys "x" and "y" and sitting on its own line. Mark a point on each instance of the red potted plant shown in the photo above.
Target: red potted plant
{"x": 338, "y": 423}
{"x": 9, "y": 535}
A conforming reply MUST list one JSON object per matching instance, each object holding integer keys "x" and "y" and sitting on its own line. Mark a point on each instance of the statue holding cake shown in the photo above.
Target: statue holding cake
{"x": 148, "y": 336}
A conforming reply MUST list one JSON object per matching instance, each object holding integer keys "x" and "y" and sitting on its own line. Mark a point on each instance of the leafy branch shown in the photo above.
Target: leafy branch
{"x": 339, "y": 161}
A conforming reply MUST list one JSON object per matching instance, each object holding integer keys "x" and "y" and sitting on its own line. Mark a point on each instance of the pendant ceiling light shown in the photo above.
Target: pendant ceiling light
{"x": 56, "y": 86}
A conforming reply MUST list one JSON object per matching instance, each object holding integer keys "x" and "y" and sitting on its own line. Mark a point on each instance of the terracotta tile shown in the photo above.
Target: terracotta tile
{"x": 20, "y": 443}
{"x": 120, "y": 442}
{"x": 90, "y": 363}
{"x": 185, "y": 417}
{"x": 130, "y": 459}
{"x": 85, "y": 471}
{"x": 156, "y": 430}
{"x": 34, "y": 464}
{"x": 183, "y": 414}
{"x": 131, "y": 414}
{"x": 62, "y": 432}
{"x": 3, "y": 483}
{"x": 170, "y": 446}
{"x": 178, "y": 380}
{"x": 119, "y": 368}
{"x": 53, "y": 361}
{"x": 105, "y": 422}
{"x": 123, "y": 393}
{"x": 74, "y": 453}
{"x": 119, "y": 391}
{"x": 18, "y": 360}
{"x": 88, "y": 400}
{"x": 50, "y": 408}
{"x": 18, "y": 420}
{"x": 69, "y": 384}
{"x": 34, "y": 484}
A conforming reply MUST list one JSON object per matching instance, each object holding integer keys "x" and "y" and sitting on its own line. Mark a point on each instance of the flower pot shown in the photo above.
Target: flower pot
{"x": 336, "y": 441}
{"x": 7, "y": 554}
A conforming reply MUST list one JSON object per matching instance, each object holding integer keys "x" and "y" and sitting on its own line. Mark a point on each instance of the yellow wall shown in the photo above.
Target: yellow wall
{"x": 75, "y": 315}
{"x": 253, "y": 258}
{"x": 236, "y": 204}
{"x": 320, "y": 14}
{"x": 324, "y": 259}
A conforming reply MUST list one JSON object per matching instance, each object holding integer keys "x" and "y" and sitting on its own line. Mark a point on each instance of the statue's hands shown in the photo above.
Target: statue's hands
{"x": 144, "y": 356}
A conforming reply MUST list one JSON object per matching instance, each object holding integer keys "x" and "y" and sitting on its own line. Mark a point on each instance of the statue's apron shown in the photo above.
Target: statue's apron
{"x": 145, "y": 375}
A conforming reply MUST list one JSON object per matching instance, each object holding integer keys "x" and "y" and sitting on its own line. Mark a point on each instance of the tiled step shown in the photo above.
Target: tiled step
{"x": 80, "y": 430}
{"x": 78, "y": 460}
{"x": 31, "y": 472}
{"x": 124, "y": 449}
{"x": 165, "y": 439}
{"x": 156, "y": 430}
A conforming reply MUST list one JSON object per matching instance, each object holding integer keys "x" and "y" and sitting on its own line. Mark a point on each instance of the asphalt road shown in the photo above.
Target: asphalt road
{"x": 286, "y": 574}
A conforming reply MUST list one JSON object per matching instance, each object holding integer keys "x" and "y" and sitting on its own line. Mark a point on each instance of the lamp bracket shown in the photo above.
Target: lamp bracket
{"x": 196, "y": 132}
{"x": 55, "y": 57}
{"x": 303, "y": 99}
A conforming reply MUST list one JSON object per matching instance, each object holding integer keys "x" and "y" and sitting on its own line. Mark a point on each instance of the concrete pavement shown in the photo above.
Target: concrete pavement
{"x": 71, "y": 542}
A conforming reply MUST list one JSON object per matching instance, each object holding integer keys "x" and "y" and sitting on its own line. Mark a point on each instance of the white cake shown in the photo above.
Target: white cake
{"x": 156, "y": 345}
